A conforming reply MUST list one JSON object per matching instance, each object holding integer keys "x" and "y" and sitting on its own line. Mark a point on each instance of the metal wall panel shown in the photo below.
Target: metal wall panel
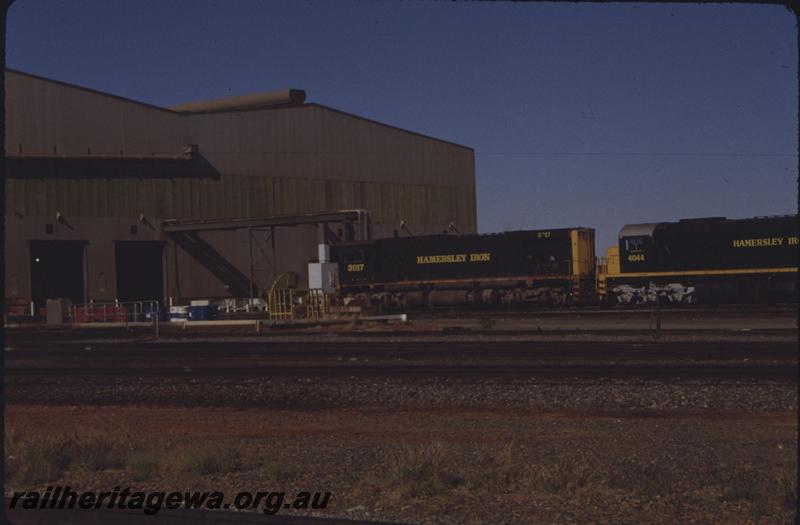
{"x": 45, "y": 117}
{"x": 314, "y": 141}
{"x": 300, "y": 159}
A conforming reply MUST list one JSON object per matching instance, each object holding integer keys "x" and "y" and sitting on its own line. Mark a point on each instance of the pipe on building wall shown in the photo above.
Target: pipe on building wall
{"x": 363, "y": 220}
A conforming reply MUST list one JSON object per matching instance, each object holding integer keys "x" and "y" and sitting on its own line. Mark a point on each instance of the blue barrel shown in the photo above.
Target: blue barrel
{"x": 153, "y": 311}
{"x": 202, "y": 313}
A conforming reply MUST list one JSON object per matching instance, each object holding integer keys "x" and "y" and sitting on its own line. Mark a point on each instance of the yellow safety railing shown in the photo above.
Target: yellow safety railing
{"x": 285, "y": 302}
{"x": 281, "y": 298}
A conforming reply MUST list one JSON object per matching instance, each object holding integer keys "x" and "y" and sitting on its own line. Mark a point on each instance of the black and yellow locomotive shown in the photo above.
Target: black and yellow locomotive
{"x": 707, "y": 261}
{"x": 541, "y": 266}
{"x": 710, "y": 260}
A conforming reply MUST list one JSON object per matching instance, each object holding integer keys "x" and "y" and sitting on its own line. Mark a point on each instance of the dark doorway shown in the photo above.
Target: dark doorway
{"x": 139, "y": 271}
{"x": 56, "y": 271}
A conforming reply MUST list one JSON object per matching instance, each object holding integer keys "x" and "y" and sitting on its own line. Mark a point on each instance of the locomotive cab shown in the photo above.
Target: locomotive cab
{"x": 637, "y": 247}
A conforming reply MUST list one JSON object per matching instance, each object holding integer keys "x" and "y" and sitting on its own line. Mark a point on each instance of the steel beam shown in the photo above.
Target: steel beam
{"x": 172, "y": 225}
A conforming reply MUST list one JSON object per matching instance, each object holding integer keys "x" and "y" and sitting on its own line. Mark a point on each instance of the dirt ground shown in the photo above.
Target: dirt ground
{"x": 435, "y": 465}
{"x": 437, "y": 447}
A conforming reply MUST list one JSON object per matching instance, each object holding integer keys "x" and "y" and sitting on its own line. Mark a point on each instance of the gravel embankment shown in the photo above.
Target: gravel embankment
{"x": 312, "y": 392}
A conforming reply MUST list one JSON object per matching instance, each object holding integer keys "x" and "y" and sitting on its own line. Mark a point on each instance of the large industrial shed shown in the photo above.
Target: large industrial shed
{"x": 112, "y": 199}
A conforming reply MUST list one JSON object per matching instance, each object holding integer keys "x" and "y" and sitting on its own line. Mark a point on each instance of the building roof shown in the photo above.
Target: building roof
{"x": 88, "y": 90}
{"x": 262, "y": 101}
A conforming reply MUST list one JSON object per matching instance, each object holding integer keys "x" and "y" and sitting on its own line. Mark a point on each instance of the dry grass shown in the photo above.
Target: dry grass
{"x": 144, "y": 467}
{"x": 766, "y": 495}
{"x": 421, "y": 471}
{"x": 567, "y": 476}
{"x": 36, "y": 459}
{"x": 787, "y": 492}
{"x": 205, "y": 458}
{"x": 500, "y": 470}
{"x": 763, "y": 494}
{"x": 433, "y": 470}
{"x": 743, "y": 485}
{"x": 101, "y": 451}
{"x": 167, "y": 459}
{"x": 277, "y": 472}
{"x": 647, "y": 479}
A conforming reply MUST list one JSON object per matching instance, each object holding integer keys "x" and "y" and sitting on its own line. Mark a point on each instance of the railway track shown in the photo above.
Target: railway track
{"x": 758, "y": 360}
{"x": 94, "y": 334}
{"x": 729, "y": 309}
{"x": 69, "y": 351}
{"x": 780, "y": 372}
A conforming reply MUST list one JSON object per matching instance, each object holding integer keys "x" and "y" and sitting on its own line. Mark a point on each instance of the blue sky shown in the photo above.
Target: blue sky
{"x": 580, "y": 114}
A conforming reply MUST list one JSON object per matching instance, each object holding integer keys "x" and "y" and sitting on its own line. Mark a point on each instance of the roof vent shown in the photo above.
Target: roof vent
{"x": 286, "y": 97}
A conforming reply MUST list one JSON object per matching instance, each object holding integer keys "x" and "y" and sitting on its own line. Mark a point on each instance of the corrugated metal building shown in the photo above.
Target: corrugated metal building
{"x": 91, "y": 179}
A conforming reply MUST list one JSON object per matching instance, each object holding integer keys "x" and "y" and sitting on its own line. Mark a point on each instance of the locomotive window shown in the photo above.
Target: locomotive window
{"x": 542, "y": 263}
{"x": 353, "y": 255}
{"x": 634, "y": 244}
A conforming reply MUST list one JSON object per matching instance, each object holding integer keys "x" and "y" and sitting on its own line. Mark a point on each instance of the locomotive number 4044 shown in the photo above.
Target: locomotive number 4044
{"x": 636, "y": 257}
